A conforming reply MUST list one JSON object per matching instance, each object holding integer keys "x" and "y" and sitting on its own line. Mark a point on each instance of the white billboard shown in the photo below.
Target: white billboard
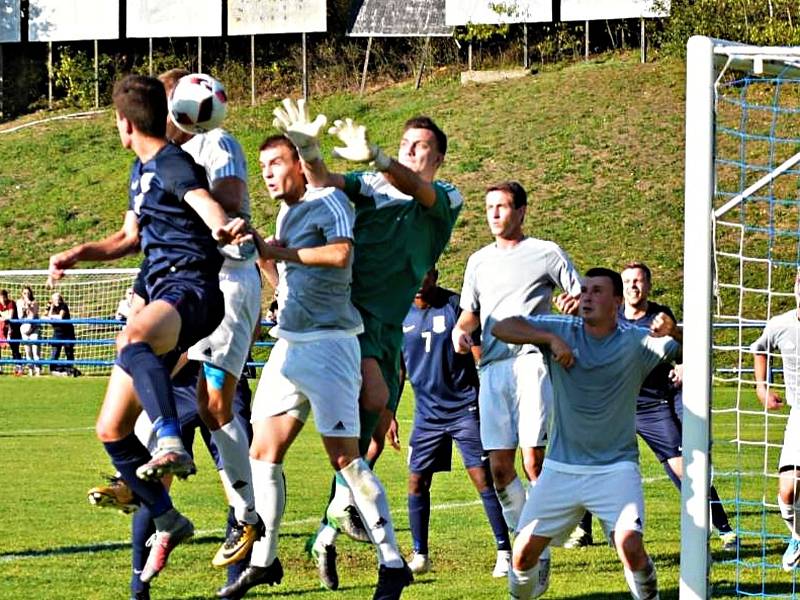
{"x": 9, "y": 21}
{"x": 174, "y": 18}
{"x": 495, "y": 12}
{"x": 593, "y": 10}
{"x": 67, "y": 20}
{"x": 251, "y": 17}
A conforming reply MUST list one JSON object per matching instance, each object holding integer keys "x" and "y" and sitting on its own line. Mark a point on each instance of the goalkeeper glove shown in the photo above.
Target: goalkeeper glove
{"x": 357, "y": 147}
{"x": 294, "y": 121}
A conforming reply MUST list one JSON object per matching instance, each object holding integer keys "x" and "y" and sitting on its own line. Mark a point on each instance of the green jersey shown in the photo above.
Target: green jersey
{"x": 397, "y": 240}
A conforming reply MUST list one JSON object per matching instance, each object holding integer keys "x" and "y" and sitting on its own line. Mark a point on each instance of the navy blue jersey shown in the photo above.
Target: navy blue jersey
{"x": 658, "y": 384}
{"x": 444, "y": 381}
{"x": 173, "y": 236}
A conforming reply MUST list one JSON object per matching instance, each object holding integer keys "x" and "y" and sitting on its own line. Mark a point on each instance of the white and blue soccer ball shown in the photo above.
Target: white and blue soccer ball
{"x": 198, "y": 103}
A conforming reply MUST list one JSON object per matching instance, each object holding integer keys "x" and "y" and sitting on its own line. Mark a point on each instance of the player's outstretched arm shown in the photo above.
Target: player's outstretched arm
{"x": 224, "y": 230}
{"x": 118, "y": 244}
{"x": 664, "y": 325}
{"x": 516, "y": 330}
{"x": 768, "y": 398}
{"x": 265, "y": 263}
{"x": 335, "y": 254}
{"x": 461, "y": 334}
{"x": 358, "y": 148}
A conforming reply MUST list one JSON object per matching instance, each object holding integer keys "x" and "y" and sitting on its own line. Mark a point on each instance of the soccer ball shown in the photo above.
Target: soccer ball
{"x": 198, "y": 103}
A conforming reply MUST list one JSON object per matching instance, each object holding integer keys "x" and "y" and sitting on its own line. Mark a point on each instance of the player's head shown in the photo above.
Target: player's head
{"x": 141, "y": 106}
{"x": 636, "y": 284}
{"x": 422, "y": 147}
{"x": 281, "y": 169}
{"x": 601, "y": 296}
{"x": 427, "y": 286}
{"x": 4, "y": 296}
{"x": 170, "y": 80}
{"x": 506, "y": 204}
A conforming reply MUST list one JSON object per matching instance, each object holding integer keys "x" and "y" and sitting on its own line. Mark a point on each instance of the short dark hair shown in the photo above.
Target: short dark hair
{"x": 170, "y": 78}
{"x": 423, "y": 122}
{"x": 276, "y": 140}
{"x": 616, "y": 279}
{"x": 4, "y": 293}
{"x": 143, "y": 101}
{"x": 642, "y": 267}
{"x": 513, "y": 189}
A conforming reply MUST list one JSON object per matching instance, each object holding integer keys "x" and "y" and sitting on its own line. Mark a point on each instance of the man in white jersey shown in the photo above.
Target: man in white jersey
{"x": 597, "y": 368}
{"x": 515, "y": 275}
{"x": 783, "y": 333}
{"x": 224, "y": 352}
{"x": 315, "y": 364}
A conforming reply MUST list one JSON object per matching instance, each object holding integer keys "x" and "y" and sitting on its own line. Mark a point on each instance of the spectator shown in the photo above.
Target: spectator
{"x": 10, "y": 331}
{"x": 59, "y": 311}
{"x": 124, "y": 306}
{"x": 28, "y": 308}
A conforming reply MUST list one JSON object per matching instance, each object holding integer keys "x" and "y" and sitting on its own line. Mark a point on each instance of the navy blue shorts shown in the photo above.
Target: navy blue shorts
{"x": 185, "y": 390}
{"x": 197, "y": 298}
{"x": 431, "y": 444}
{"x": 659, "y": 422}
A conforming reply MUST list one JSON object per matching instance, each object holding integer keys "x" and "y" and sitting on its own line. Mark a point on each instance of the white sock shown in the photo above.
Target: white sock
{"x": 326, "y": 536}
{"x": 643, "y": 584}
{"x": 231, "y": 441}
{"x": 270, "y": 496}
{"x": 789, "y": 513}
{"x": 520, "y": 583}
{"x": 342, "y": 497}
{"x": 370, "y": 499}
{"x": 512, "y": 499}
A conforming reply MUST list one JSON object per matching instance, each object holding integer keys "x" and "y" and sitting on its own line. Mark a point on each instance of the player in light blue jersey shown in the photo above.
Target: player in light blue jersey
{"x": 782, "y": 333}
{"x": 597, "y": 368}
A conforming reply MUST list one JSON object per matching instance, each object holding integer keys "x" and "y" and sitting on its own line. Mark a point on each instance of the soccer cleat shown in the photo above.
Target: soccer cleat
{"x": 116, "y": 494}
{"x": 162, "y": 543}
{"x": 419, "y": 563}
{"x": 729, "y": 541}
{"x": 392, "y": 581}
{"x": 791, "y": 555}
{"x": 325, "y": 557}
{"x": 251, "y": 577}
{"x": 579, "y": 538}
{"x": 167, "y": 461}
{"x": 349, "y": 522}
{"x": 143, "y": 594}
{"x": 542, "y": 574}
{"x": 502, "y": 564}
{"x": 238, "y": 543}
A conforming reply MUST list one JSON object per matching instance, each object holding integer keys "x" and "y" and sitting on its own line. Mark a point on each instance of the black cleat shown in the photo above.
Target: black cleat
{"x": 251, "y": 577}
{"x": 391, "y": 582}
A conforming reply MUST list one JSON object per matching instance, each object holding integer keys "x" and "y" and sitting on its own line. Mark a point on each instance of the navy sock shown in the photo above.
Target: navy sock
{"x": 419, "y": 517}
{"x": 586, "y": 522}
{"x": 236, "y": 568}
{"x": 142, "y": 527}
{"x": 127, "y": 454}
{"x": 152, "y": 384}
{"x": 719, "y": 518}
{"x": 671, "y": 474}
{"x": 494, "y": 512}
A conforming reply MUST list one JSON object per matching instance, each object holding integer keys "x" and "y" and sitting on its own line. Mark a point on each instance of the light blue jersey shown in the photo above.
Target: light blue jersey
{"x": 594, "y": 407}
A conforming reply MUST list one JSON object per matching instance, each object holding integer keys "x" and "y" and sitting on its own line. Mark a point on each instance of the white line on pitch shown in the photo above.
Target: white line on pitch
{"x": 43, "y": 431}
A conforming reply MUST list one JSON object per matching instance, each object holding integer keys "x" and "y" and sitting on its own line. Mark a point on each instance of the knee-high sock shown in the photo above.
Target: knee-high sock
{"x": 494, "y": 512}
{"x": 512, "y": 499}
{"x": 520, "y": 583}
{"x": 643, "y": 584}
{"x": 371, "y": 502}
{"x": 270, "y": 495}
{"x": 789, "y": 512}
{"x": 142, "y": 527}
{"x": 673, "y": 477}
{"x": 127, "y": 454}
{"x": 719, "y": 518}
{"x": 153, "y": 387}
{"x": 419, "y": 517}
{"x": 231, "y": 440}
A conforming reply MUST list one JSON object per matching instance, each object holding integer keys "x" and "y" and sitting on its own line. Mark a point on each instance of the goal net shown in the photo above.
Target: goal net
{"x": 742, "y": 252}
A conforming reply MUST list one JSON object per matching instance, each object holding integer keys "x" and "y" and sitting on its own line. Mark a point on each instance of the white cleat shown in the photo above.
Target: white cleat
{"x": 542, "y": 575}
{"x": 502, "y": 564}
{"x": 419, "y": 564}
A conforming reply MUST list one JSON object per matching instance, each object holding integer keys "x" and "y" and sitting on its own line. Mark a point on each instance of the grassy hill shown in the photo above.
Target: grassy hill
{"x": 598, "y": 146}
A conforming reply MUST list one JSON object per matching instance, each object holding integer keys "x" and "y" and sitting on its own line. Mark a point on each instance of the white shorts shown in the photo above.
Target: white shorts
{"x": 557, "y": 502}
{"x": 790, "y": 452}
{"x": 514, "y": 399}
{"x": 228, "y": 345}
{"x": 321, "y": 375}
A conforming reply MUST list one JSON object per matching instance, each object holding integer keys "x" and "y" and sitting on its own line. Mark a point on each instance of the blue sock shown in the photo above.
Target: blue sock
{"x": 671, "y": 474}
{"x": 494, "y": 512}
{"x": 127, "y": 454}
{"x": 142, "y": 527}
{"x": 419, "y": 517}
{"x": 719, "y": 518}
{"x": 152, "y": 384}
{"x": 238, "y": 567}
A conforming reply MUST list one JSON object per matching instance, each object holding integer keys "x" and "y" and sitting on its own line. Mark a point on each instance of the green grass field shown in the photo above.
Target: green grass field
{"x": 54, "y": 545}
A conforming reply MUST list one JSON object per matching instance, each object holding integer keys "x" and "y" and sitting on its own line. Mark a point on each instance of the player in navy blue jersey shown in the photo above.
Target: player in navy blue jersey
{"x": 177, "y": 224}
{"x": 446, "y": 394}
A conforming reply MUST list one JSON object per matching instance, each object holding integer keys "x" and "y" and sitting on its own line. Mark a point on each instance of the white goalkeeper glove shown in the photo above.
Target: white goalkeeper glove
{"x": 293, "y": 120}
{"x": 357, "y": 147}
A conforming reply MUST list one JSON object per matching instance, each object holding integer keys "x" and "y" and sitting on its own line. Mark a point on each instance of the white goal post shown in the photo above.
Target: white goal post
{"x": 708, "y": 61}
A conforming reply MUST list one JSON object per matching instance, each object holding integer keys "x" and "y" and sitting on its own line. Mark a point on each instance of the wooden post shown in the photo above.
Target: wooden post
{"x": 422, "y": 61}
{"x": 252, "y": 70}
{"x": 96, "y": 78}
{"x": 305, "y": 69}
{"x": 366, "y": 66}
{"x": 50, "y": 75}
{"x": 199, "y": 54}
{"x": 150, "y": 56}
{"x": 525, "y": 61}
{"x": 586, "y": 41}
{"x": 644, "y": 41}
{"x": 469, "y": 56}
